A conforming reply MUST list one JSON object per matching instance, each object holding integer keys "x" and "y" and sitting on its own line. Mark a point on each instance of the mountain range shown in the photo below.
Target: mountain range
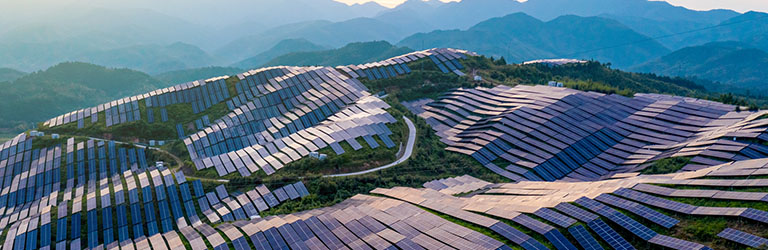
{"x": 68, "y": 30}
{"x": 157, "y": 37}
{"x": 353, "y": 53}
{"x": 736, "y": 65}
{"x": 520, "y": 37}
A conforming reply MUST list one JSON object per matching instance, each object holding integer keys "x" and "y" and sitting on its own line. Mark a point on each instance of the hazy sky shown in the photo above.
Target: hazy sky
{"x": 737, "y": 5}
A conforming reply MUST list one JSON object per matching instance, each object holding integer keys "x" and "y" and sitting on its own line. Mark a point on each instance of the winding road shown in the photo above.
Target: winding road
{"x": 403, "y": 158}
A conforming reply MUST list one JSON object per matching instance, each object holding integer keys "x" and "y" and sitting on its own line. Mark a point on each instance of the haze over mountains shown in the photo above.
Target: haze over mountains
{"x": 175, "y": 41}
{"x": 173, "y": 35}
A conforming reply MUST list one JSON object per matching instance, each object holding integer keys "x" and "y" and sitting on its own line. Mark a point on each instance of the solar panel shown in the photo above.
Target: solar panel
{"x": 584, "y": 238}
{"x": 623, "y": 220}
{"x": 576, "y": 212}
{"x": 609, "y": 235}
{"x": 555, "y": 217}
{"x": 198, "y": 188}
{"x": 638, "y": 209}
{"x": 303, "y": 192}
{"x": 291, "y": 191}
{"x": 281, "y": 194}
{"x": 136, "y": 213}
{"x": 742, "y": 238}
{"x": 509, "y": 232}
{"x": 221, "y": 191}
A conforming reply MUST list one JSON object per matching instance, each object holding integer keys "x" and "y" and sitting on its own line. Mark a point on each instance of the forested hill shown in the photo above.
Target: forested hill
{"x": 7, "y": 74}
{"x": 63, "y": 88}
{"x": 734, "y": 64}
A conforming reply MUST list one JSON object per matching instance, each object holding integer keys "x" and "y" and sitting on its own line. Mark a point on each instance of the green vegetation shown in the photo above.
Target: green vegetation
{"x": 353, "y": 53}
{"x": 63, "y": 88}
{"x": 7, "y": 74}
{"x": 739, "y": 67}
{"x": 594, "y": 76}
{"x": 151, "y": 58}
{"x": 520, "y": 37}
{"x": 188, "y": 75}
{"x": 667, "y": 165}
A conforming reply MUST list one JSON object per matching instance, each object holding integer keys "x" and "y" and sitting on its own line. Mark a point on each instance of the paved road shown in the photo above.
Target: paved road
{"x": 406, "y": 155}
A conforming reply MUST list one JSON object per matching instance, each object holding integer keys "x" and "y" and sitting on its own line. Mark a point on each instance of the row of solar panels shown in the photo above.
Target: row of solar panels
{"x": 27, "y": 221}
{"x": 457, "y": 185}
{"x": 363, "y": 222}
{"x": 270, "y": 120}
{"x": 200, "y": 94}
{"x": 203, "y": 94}
{"x": 564, "y": 215}
{"x": 360, "y": 120}
{"x": 548, "y": 133}
{"x": 445, "y": 59}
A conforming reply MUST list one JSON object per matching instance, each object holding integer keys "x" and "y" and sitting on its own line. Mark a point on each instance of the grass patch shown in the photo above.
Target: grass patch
{"x": 667, "y": 165}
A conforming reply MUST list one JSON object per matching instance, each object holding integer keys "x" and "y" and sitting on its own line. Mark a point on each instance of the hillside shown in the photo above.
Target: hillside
{"x": 151, "y": 58}
{"x": 353, "y": 53}
{"x": 731, "y": 63}
{"x": 8, "y": 74}
{"x": 520, "y": 37}
{"x": 186, "y": 75}
{"x": 283, "y": 47}
{"x": 63, "y": 88}
{"x": 472, "y": 134}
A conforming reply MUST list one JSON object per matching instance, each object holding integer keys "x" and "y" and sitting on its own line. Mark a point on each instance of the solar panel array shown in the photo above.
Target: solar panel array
{"x": 361, "y": 222}
{"x": 446, "y": 59}
{"x": 457, "y": 185}
{"x": 280, "y": 114}
{"x": 158, "y": 219}
{"x": 743, "y": 238}
{"x": 98, "y": 176}
{"x": 201, "y": 95}
{"x": 550, "y": 133}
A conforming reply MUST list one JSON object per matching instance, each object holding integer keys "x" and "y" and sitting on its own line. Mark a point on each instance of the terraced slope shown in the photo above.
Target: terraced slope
{"x": 97, "y": 187}
{"x": 549, "y": 133}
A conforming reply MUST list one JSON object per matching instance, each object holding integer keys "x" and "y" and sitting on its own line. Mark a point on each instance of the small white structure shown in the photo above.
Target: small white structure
{"x": 160, "y": 143}
{"x": 318, "y": 156}
{"x": 555, "y": 84}
{"x": 55, "y": 136}
{"x": 35, "y": 133}
{"x": 478, "y": 78}
{"x": 151, "y": 142}
{"x": 555, "y": 62}
{"x": 159, "y": 164}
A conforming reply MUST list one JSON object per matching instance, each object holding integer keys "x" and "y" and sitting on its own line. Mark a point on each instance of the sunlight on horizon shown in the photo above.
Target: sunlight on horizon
{"x": 736, "y": 5}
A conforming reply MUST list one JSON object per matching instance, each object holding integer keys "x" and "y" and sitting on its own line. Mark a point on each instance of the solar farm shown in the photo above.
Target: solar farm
{"x": 573, "y": 164}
